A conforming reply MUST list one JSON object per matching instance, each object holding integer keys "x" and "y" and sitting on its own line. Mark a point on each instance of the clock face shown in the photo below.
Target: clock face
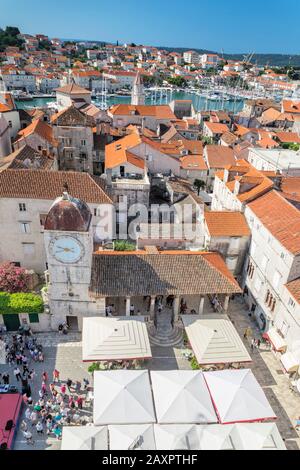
{"x": 66, "y": 249}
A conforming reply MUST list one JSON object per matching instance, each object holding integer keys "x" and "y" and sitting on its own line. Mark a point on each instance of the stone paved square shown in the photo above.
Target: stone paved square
{"x": 64, "y": 354}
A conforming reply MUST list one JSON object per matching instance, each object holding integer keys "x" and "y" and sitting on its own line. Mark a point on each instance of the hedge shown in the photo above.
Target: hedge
{"x": 20, "y": 303}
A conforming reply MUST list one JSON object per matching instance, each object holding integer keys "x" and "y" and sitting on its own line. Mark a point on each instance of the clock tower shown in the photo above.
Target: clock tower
{"x": 69, "y": 247}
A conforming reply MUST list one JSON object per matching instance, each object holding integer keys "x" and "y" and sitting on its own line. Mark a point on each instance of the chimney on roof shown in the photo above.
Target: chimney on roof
{"x": 66, "y": 188}
{"x": 236, "y": 188}
{"x": 226, "y": 176}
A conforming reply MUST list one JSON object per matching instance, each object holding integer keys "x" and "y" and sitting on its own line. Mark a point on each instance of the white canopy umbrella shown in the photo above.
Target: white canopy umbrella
{"x": 131, "y": 437}
{"x": 176, "y": 437}
{"x": 214, "y": 339}
{"x": 237, "y": 396}
{"x": 257, "y": 436}
{"x": 215, "y": 437}
{"x": 122, "y": 397}
{"x": 108, "y": 339}
{"x": 181, "y": 396}
{"x": 84, "y": 438}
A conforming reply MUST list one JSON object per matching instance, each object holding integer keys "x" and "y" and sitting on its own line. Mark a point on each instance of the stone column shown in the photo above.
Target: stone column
{"x": 226, "y": 303}
{"x": 127, "y": 306}
{"x": 152, "y": 307}
{"x": 176, "y": 308}
{"x": 201, "y": 305}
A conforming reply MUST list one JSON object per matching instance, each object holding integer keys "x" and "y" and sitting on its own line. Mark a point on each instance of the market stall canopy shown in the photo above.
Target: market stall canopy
{"x": 84, "y": 438}
{"x": 237, "y": 396}
{"x": 122, "y": 397}
{"x": 276, "y": 340}
{"x": 257, "y": 436}
{"x": 176, "y": 437}
{"x": 119, "y": 338}
{"x": 214, "y": 339}
{"x": 131, "y": 437}
{"x": 181, "y": 396}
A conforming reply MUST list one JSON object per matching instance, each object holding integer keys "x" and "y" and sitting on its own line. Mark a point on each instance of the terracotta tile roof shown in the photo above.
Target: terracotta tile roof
{"x": 219, "y": 156}
{"x": 159, "y": 112}
{"x": 294, "y": 288}
{"x": 72, "y": 117}
{"x": 269, "y": 116}
{"x": 4, "y": 108}
{"x": 193, "y": 162}
{"x": 216, "y": 128}
{"x": 281, "y": 218}
{"x": 288, "y": 137}
{"x": 167, "y": 273}
{"x": 118, "y": 152}
{"x": 229, "y": 138}
{"x": 290, "y": 106}
{"x": 40, "y": 128}
{"x": 228, "y": 224}
{"x": 26, "y": 158}
{"x": 35, "y": 184}
{"x": 267, "y": 143}
{"x": 73, "y": 89}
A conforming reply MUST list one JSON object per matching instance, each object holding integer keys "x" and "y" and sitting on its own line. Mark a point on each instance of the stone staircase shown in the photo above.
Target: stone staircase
{"x": 164, "y": 334}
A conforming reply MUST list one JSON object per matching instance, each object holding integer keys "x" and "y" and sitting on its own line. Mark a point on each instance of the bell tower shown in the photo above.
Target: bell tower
{"x": 138, "y": 92}
{"x": 69, "y": 247}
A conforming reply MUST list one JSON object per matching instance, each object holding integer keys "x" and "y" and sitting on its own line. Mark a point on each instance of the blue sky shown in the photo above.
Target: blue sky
{"x": 232, "y": 25}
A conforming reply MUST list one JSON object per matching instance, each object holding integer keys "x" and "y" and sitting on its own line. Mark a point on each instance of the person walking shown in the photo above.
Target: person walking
{"x": 28, "y": 437}
{"x": 85, "y": 384}
{"x": 39, "y": 428}
{"x": 79, "y": 403}
{"x": 44, "y": 376}
{"x": 252, "y": 346}
{"x": 69, "y": 384}
{"x": 33, "y": 417}
{"x": 63, "y": 390}
{"x": 17, "y": 373}
{"x": 27, "y": 413}
{"x": 24, "y": 426}
{"x": 55, "y": 375}
{"x": 5, "y": 378}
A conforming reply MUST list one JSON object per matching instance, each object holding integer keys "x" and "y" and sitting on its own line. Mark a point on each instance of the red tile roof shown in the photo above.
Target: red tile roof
{"x": 37, "y": 184}
{"x": 280, "y": 217}
{"x": 228, "y": 224}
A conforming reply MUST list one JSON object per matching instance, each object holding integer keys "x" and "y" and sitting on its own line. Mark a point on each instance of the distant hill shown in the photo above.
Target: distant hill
{"x": 278, "y": 60}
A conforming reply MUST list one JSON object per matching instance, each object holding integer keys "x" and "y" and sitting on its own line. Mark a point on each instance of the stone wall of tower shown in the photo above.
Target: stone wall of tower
{"x": 5, "y": 142}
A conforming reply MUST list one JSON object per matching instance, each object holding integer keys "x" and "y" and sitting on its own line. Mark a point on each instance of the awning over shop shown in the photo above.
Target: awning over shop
{"x": 276, "y": 340}
{"x": 214, "y": 339}
{"x": 289, "y": 362}
{"x": 119, "y": 338}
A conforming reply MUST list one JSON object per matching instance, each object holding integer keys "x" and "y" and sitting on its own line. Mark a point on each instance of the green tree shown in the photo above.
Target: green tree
{"x": 199, "y": 184}
{"x": 123, "y": 245}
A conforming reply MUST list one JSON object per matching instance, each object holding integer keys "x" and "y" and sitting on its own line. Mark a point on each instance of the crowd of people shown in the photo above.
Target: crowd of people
{"x": 54, "y": 408}
{"x": 57, "y": 403}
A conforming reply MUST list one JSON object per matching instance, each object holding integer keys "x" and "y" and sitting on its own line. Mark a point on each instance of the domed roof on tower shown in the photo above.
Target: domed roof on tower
{"x": 68, "y": 214}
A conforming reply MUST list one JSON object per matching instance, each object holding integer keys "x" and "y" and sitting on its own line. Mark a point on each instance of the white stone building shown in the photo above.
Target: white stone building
{"x": 26, "y": 197}
{"x": 273, "y": 265}
{"x": 286, "y": 162}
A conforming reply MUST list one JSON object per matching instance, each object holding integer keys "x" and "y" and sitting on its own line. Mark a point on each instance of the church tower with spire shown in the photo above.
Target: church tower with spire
{"x": 138, "y": 93}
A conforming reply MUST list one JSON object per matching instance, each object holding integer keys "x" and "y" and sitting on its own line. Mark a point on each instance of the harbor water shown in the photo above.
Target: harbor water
{"x": 199, "y": 102}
